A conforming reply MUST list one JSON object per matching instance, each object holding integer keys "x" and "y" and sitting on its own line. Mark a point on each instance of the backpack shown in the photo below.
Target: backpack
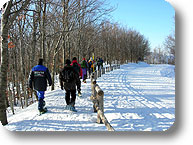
{"x": 91, "y": 63}
{"x": 84, "y": 64}
{"x": 76, "y": 68}
{"x": 68, "y": 76}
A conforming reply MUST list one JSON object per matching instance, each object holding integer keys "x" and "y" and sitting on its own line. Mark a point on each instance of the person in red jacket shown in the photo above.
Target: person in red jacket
{"x": 78, "y": 69}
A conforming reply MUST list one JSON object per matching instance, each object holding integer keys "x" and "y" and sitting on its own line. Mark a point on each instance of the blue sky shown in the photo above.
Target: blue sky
{"x": 152, "y": 18}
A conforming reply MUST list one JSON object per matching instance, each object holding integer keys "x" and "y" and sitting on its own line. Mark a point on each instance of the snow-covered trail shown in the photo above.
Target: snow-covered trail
{"x": 138, "y": 97}
{"x": 57, "y": 119}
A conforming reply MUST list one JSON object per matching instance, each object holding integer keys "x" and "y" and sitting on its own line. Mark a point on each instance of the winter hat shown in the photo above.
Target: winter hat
{"x": 74, "y": 58}
{"x": 68, "y": 61}
{"x": 84, "y": 58}
{"x": 40, "y": 62}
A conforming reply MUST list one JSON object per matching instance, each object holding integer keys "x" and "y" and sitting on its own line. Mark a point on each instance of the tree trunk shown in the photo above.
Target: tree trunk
{"x": 44, "y": 32}
{"x": 4, "y": 62}
{"x": 54, "y": 61}
{"x": 6, "y": 21}
{"x": 34, "y": 40}
{"x": 65, "y": 30}
{"x": 53, "y": 72}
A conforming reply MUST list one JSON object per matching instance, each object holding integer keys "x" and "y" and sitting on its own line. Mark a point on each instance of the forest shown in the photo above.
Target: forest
{"x": 56, "y": 30}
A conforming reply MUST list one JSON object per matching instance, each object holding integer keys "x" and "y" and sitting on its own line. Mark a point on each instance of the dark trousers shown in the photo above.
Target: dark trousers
{"x": 70, "y": 97}
{"x": 41, "y": 104}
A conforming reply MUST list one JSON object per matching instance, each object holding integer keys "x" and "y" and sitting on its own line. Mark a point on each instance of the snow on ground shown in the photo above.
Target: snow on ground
{"x": 138, "y": 97}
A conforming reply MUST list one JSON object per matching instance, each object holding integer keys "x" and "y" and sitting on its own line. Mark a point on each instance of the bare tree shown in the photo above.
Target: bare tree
{"x": 170, "y": 47}
{"x": 7, "y": 19}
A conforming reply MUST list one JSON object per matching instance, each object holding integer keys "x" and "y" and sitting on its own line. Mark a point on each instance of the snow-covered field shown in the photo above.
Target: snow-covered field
{"x": 138, "y": 97}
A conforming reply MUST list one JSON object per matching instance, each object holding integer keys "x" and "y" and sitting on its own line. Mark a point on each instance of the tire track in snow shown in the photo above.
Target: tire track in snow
{"x": 143, "y": 98}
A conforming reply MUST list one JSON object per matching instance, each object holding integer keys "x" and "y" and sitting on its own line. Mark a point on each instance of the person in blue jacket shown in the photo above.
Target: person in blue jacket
{"x": 38, "y": 78}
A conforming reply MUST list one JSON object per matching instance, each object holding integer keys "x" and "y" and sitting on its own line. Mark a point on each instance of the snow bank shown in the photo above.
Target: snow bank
{"x": 168, "y": 71}
{"x": 143, "y": 64}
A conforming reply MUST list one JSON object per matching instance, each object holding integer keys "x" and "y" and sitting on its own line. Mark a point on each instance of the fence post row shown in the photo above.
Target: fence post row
{"x": 97, "y": 98}
{"x": 100, "y": 72}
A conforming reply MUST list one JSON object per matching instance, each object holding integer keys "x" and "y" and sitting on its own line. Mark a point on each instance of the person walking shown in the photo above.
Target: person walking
{"x": 68, "y": 79}
{"x": 78, "y": 69}
{"x": 99, "y": 64}
{"x": 84, "y": 67}
{"x": 101, "y": 60}
{"x": 91, "y": 65}
{"x": 38, "y": 79}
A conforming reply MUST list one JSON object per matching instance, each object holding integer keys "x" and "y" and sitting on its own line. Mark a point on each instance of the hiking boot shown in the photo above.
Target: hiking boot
{"x": 44, "y": 110}
{"x": 84, "y": 81}
{"x": 79, "y": 92}
{"x": 73, "y": 109}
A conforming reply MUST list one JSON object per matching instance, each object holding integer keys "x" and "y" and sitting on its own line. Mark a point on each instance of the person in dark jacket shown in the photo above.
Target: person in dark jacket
{"x": 78, "y": 69}
{"x": 38, "y": 78}
{"x": 69, "y": 78}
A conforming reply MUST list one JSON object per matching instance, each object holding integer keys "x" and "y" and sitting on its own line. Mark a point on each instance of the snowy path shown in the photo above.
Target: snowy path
{"x": 143, "y": 98}
{"x": 138, "y": 97}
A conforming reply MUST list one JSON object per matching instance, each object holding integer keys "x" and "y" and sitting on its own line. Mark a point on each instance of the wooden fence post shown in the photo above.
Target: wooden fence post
{"x": 111, "y": 68}
{"x": 95, "y": 74}
{"x": 103, "y": 70}
{"x": 98, "y": 100}
{"x": 99, "y": 73}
